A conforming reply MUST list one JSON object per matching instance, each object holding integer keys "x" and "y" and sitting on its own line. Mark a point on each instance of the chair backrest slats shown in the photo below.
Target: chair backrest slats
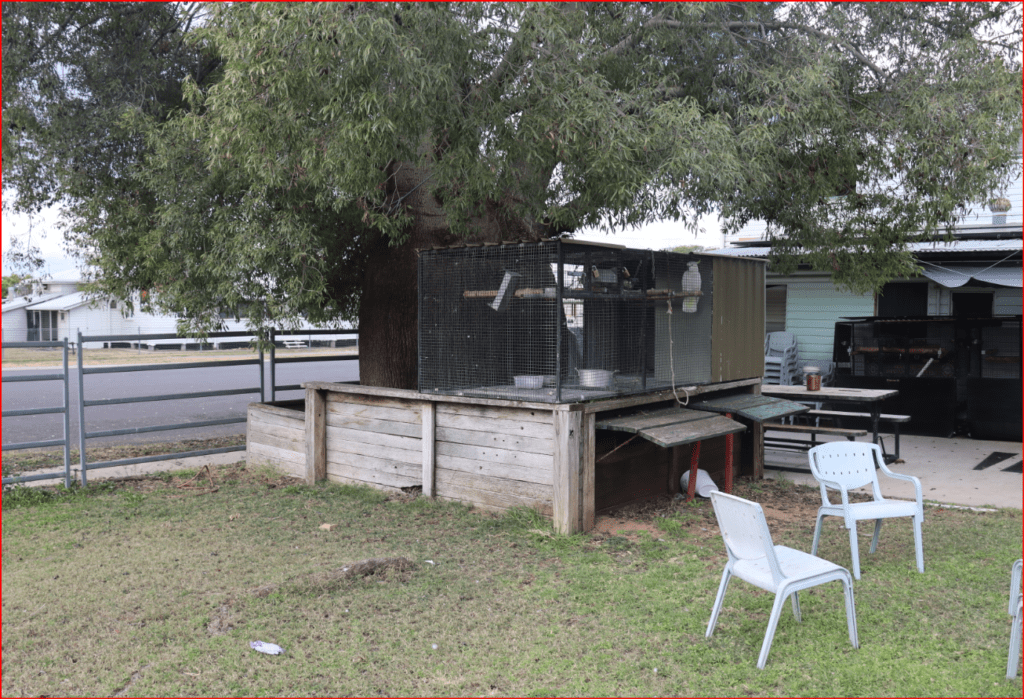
{"x": 780, "y": 343}
{"x": 745, "y": 530}
{"x": 850, "y": 464}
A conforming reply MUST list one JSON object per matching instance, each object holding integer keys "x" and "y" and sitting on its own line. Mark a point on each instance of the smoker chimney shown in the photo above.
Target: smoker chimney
{"x": 999, "y": 207}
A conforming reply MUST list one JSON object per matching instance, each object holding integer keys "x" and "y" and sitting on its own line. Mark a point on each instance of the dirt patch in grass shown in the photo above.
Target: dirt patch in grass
{"x": 785, "y": 504}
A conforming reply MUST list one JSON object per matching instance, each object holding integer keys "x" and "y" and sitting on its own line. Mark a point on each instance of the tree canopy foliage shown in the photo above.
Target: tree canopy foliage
{"x": 289, "y": 158}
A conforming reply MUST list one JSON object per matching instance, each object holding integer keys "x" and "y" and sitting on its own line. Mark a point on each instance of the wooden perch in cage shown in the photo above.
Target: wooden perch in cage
{"x": 549, "y": 292}
{"x": 670, "y": 294}
{"x": 519, "y": 293}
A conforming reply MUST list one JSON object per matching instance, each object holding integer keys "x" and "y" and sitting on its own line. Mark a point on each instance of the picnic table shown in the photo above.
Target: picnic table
{"x": 870, "y": 398}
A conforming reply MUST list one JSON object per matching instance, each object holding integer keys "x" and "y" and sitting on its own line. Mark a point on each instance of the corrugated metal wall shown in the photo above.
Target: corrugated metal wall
{"x": 737, "y": 332}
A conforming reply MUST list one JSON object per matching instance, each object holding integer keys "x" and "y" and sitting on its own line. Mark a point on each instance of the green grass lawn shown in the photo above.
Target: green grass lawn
{"x": 156, "y": 587}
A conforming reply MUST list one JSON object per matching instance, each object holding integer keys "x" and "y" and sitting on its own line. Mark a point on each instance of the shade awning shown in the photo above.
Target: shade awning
{"x": 954, "y": 276}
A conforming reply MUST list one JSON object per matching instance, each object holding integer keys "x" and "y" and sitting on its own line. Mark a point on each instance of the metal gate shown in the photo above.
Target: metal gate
{"x": 305, "y": 338}
{"x": 260, "y": 387}
{"x": 63, "y": 409}
{"x": 83, "y": 402}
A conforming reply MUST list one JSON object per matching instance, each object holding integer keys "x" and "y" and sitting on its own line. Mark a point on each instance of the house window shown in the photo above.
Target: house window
{"x": 775, "y": 308}
{"x": 42, "y": 326}
{"x": 972, "y": 304}
{"x": 113, "y": 305}
{"x": 903, "y": 300}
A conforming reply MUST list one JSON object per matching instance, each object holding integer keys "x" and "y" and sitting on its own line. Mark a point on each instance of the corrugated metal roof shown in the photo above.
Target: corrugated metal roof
{"x": 66, "y": 276}
{"x": 26, "y": 301}
{"x": 62, "y": 303}
{"x": 742, "y": 252}
{"x": 968, "y": 246}
{"x": 955, "y": 247}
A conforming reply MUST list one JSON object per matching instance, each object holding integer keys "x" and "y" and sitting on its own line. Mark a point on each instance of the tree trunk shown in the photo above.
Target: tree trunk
{"x": 388, "y": 330}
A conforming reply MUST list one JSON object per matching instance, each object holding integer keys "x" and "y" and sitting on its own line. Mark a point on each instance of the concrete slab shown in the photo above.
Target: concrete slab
{"x": 956, "y": 471}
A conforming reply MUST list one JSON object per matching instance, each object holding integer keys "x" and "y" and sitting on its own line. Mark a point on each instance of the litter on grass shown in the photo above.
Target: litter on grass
{"x": 268, "y": 648}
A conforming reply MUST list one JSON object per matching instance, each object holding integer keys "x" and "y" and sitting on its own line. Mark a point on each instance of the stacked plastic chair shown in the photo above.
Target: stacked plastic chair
{"x": 780, "y": 358}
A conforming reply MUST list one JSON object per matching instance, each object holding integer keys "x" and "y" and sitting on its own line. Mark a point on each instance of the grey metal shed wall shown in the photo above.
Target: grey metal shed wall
{"x": 737, "y": 333}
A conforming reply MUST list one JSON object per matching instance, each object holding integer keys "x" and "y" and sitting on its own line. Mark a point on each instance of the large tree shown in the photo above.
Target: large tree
{"x": 318, "y": 146}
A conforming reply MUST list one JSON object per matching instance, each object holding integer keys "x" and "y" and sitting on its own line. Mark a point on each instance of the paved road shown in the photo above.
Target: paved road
{"x": 21, "y": 395}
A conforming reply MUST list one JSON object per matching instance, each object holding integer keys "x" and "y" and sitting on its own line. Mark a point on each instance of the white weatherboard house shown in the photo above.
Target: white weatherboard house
{"x": 53, "y": 308}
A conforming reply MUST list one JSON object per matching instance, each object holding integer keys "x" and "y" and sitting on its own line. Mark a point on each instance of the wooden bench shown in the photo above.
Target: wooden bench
{"x": 895, "y": 420}
{"x": 295, "y": 344}
{"x": 813, "y": 430}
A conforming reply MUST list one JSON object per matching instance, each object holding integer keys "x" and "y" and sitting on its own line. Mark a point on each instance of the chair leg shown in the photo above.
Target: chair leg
{"x": 769, "y": 635}
{"x": 795, "y": 597}
{"x": 1015, "y": 634}
{"x": 722, "y": 587}
{"x": 854, "y": 550}
{"x": 874, "y": 539}
{"x": 851, "y": 610}
{"x": 817, "y": 533}
{"x": 918, "y": 544}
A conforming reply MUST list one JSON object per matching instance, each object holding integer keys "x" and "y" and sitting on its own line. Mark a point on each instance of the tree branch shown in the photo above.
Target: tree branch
{"x": 631, "y": 41}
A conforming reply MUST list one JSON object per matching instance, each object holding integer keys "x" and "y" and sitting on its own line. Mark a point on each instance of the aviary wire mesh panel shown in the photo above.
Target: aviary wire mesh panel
{"x": 562, "y": 322}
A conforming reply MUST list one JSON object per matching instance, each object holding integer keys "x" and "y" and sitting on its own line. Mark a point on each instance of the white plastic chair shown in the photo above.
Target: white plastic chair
{"x": 845, "y": 466}
{"x": 1016, "y": 606}
{"x": 780, "y": 358}
{"x": 779, "y": 569}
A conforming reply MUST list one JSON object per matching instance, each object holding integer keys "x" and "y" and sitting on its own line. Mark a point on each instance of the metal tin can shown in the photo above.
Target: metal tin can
{"x": 813, "y": 381}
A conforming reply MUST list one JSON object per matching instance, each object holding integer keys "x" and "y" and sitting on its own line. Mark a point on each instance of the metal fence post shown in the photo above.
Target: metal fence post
{"x": 263, "y": 381}
{"x": 81, "y": 408}
{"x": 273, "y": 367}
{"x": 67, "y": 419}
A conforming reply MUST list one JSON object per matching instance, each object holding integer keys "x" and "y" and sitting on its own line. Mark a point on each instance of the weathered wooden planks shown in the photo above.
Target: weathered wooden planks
{"x": 489, "y": 493}
{"x": 428, "y": 434}
{"x": 498, "y": 440}
{"x": 493, "y": 457}
{"x": 357, "y": 468}
{"x": 276, "y": 436}
{"x": 288, "y": 461}
{"x": 569, "y": 452}
{"x": 316, "y": 436}
{"x": 372, "y": 408}
{"x": 499, "y": 471}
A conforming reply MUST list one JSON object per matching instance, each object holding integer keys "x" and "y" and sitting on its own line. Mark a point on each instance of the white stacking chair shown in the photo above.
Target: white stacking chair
{"x": 780, "y": 358}
{"x": 1016, "y": 606}
{"x": 845, "y": 466}
{"x": 779, "y": 569}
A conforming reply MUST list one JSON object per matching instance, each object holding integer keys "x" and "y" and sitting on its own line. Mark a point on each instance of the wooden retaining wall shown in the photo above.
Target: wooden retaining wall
{"x": 490, "y": 457}
{"x": 495, "y": 458}
{"x": 275, "y": 435}
{"x": 374, "y": 441}
{"x": 492, "y": 454}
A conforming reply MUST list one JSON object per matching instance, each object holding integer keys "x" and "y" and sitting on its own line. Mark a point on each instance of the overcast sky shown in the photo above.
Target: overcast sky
{"x": 42, "y": 231}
